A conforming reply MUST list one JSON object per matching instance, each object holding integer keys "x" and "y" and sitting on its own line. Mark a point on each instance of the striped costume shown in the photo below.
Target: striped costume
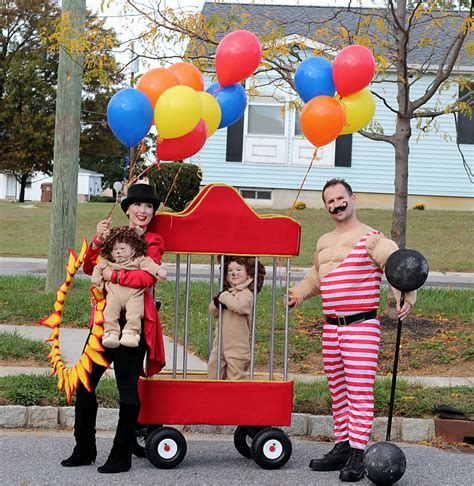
{"x": 350, "y": 352}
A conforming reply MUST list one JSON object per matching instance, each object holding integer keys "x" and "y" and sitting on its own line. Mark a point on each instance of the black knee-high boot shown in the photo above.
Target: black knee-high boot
{"x": 85, "y": 451}
{"x": 120, "y": 457}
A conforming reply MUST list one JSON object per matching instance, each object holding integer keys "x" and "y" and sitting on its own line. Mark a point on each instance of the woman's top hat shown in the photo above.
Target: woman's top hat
{"x": 140, "y": 193}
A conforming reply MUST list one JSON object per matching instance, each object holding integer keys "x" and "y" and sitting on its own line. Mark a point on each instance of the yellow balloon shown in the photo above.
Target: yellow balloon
{"x": 359, "y": 109}
{"x": 211, "y": 112}
{"x": 177, "y": 111}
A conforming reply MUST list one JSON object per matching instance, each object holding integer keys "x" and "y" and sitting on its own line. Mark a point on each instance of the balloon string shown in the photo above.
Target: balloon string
{"x": 172, "y": 185}
{"x": 134, "y": 161}
{"x": 315, "y": 154}
{"x": 135, "y": 179}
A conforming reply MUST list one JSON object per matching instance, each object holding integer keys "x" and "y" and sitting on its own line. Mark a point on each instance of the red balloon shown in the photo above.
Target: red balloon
{"x": 237, "y": 56}
{"x": 180, "y": 148}
{"x": 353, "y": 69}
{"x": 322, "y": 120}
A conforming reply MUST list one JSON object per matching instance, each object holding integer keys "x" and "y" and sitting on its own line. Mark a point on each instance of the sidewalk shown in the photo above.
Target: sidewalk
{"x": 72, "y": 342}
{"x": 38, "y": 266}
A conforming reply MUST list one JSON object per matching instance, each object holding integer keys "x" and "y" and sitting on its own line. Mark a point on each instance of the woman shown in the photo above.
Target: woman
{"x": 140, "y": 206}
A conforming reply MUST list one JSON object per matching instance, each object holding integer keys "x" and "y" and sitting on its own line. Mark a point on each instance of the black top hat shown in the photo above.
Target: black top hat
{"x": 140, "y": 193}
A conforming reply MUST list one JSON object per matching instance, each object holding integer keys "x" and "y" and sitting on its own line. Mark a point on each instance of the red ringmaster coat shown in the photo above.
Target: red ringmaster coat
{"x": 137, "y": 279}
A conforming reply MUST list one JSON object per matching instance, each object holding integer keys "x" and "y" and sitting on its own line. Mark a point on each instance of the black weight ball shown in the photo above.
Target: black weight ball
{"x": 384, "y": 463}
{"x": 406, "y": 270}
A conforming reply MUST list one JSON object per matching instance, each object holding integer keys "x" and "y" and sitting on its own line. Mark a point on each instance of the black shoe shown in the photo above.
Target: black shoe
{"x": 354, "y": 469}
{"x": 80, "y": 457}
{"x": 334, "y": 460}
{"x": 116, "y": 463}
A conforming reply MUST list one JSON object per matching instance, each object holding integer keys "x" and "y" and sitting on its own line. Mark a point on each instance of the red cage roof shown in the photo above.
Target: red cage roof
{"x": 218, "y": 221}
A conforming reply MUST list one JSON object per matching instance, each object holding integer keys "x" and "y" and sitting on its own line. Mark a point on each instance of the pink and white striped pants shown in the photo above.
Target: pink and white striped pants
{"x": 350, "y": 355}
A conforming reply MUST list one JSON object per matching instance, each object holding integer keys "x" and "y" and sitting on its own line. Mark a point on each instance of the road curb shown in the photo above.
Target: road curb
{"x": 302, "y": 425}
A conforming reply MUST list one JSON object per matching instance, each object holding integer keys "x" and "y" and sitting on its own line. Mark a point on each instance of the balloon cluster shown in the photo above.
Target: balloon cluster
{"x": 324, "y": 116}
{"x": 184, "y": 114}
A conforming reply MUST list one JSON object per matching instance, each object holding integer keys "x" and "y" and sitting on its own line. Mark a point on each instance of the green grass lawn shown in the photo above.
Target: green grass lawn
{"x": 440, "y": 333}
{"x": 444, "y": 237}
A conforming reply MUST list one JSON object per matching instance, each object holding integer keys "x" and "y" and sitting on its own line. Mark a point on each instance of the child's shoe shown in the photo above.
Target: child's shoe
{"x": 130, "y": 339}
{"x": 110, "y": 339}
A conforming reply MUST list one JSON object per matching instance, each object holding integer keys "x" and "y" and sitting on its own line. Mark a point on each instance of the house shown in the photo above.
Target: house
{"x": 266, "y": 156}
{"x": 39, "y": 187}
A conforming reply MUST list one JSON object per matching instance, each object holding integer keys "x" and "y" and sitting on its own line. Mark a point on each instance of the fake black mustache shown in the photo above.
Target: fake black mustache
{"x": 338, "y": 209}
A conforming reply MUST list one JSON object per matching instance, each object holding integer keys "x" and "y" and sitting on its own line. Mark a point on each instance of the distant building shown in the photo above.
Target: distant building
{"x": 39, "y": 187}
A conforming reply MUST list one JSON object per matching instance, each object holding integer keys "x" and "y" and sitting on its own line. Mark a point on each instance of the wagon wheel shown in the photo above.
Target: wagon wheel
{"x": 243, "y": 439}
{"x": 141, "y": 434}
{"x": 271, "y": 448}
{"x": 165, "y": 447}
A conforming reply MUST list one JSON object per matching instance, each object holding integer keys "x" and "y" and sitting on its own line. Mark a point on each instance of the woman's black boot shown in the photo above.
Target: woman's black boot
{"x": 120, "y": 457}
{"x": 85, "y": 451}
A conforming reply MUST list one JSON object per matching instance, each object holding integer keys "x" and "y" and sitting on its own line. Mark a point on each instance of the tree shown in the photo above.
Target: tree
{"x": 27, "y": 90}
{"x": 28, "y": 78}
{"x": 392, "y": 33}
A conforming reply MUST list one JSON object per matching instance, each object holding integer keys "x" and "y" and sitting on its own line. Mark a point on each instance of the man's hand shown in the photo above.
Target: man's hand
{"x": 292, "y": 300}
{"x": 403, "y": 311}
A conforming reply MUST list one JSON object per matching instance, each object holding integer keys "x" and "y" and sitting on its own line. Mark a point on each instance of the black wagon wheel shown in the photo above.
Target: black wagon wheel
{"x": 141, "y": 434}
{"x": 243, "y": 436}
{"x": 271, "y": 448}
{"x": 166, "y": 447}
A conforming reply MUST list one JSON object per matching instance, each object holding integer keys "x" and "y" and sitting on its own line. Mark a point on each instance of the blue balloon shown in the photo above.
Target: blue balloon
{"x": 313, "y": 77}
{"x": 130, "y": 116}
{"x": 232, "y": 99}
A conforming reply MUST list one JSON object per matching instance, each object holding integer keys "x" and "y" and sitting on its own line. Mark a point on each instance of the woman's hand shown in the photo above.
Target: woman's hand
{"x": 404, "y": 311}
{"x": 101, "y": 228}
{"x": 107, "y": 274}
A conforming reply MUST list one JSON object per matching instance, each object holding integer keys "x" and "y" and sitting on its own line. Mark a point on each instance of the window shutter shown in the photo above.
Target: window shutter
{"x": 343, "y": 157}
{"x": 465, "y": 124}
{"x": 235, "y": 141}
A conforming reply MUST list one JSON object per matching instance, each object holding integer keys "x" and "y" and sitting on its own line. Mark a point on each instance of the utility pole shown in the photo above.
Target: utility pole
{"x": 66, "y": 145}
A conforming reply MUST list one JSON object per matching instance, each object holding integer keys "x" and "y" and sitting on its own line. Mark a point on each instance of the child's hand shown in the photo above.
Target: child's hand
{"x": 217, "y": 301}
{"x": 162, "y": 274}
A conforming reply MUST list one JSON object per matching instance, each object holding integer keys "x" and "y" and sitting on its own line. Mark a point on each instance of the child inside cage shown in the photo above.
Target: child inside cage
{"x": 124, "y": 248}
{"x": 236, "y": 300}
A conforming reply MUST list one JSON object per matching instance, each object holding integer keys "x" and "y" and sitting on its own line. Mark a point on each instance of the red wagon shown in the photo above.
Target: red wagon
{"x": 217, "y": 223}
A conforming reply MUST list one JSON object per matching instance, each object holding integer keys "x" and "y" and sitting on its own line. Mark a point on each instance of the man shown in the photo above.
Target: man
{"x": 348, "y": 267}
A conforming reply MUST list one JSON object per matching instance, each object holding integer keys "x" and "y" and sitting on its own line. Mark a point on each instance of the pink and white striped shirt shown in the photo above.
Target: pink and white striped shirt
{"x": 354, "y": 285}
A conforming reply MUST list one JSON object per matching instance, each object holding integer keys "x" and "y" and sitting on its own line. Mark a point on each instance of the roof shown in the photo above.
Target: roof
{"x": 90, "y": 172}
{"x": 305, "y": 21}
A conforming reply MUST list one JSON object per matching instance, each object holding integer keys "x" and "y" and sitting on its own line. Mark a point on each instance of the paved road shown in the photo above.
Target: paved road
{"x": 33, "y": 458}
{"x": 37, "y": 266}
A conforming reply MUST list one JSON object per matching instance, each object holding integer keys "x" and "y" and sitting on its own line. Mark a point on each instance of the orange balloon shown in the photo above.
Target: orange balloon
{"x": 322, "y": 120}
{"x": 188, "y": 75}
{"x": 155, "y": 82}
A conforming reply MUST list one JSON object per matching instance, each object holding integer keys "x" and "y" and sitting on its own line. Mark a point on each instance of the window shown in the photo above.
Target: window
{"x": 256, "y": 194}
{"x": 465, "y": 123}
{"x": 265, "y": 119}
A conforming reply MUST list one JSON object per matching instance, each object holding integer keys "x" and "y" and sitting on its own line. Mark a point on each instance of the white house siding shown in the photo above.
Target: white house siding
{"x": 435, "y": 166}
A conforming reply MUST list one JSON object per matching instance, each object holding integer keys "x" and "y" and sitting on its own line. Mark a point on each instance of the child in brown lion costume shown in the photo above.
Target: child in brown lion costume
{"x": 124, "y": 248}
{"x": 236, "y": 300}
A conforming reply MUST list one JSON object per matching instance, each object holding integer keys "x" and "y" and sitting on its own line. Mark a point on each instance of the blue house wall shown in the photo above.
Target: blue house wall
{"x": 435, "y": 165}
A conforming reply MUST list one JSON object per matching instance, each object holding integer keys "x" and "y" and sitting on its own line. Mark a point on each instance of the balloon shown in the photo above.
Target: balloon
{"x": 155, "y": 82}
{"x": 177, "y": 112}
{"x": 322, "y": 120}
{"x": 232, "y": 100}
{"x": 353, "y": 69}
{"x": 187, "y": 75}
{"x": 130, "y": 115}
{"x": 182, "y": 147}
{"x": 313, "y": 77}
{"x": 359, "y": 109}
{"x": 211, "y": 112}
{"x": 237, "y": 56}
